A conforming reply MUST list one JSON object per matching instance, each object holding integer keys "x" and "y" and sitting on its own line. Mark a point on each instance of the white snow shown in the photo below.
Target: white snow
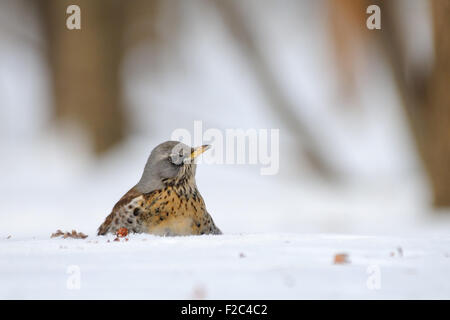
{"x": 251, "y": 266}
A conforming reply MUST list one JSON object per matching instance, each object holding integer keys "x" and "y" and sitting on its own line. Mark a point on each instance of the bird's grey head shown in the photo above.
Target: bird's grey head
{"x": 171, "y": 162}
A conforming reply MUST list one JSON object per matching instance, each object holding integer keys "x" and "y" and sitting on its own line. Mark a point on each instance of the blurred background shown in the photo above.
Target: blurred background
{"x": 364, "y": 115}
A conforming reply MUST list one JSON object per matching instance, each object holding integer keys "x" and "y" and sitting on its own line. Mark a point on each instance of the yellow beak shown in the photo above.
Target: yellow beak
{"x": 199, "y": 150}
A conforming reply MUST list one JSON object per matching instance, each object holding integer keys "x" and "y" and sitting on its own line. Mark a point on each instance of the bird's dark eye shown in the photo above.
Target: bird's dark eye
{"x": 176, "y": 158}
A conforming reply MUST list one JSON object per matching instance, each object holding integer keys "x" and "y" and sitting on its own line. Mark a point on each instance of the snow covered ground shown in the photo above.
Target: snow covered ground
{"x": 236, "y": 266}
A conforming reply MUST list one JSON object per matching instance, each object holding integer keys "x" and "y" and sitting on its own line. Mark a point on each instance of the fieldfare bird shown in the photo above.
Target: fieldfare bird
{"x": 166, "y": 200}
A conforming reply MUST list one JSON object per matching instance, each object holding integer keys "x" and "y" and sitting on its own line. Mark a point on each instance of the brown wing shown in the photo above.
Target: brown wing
{"x": 122, "y": 213}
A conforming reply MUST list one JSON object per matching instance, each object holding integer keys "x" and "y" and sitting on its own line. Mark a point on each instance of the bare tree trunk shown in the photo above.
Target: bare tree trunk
{"x": 437, "y": 112}
{"x": 426, "y": 98}
{"x": 85, "y": 67}
{"x": 348, "y": 37}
